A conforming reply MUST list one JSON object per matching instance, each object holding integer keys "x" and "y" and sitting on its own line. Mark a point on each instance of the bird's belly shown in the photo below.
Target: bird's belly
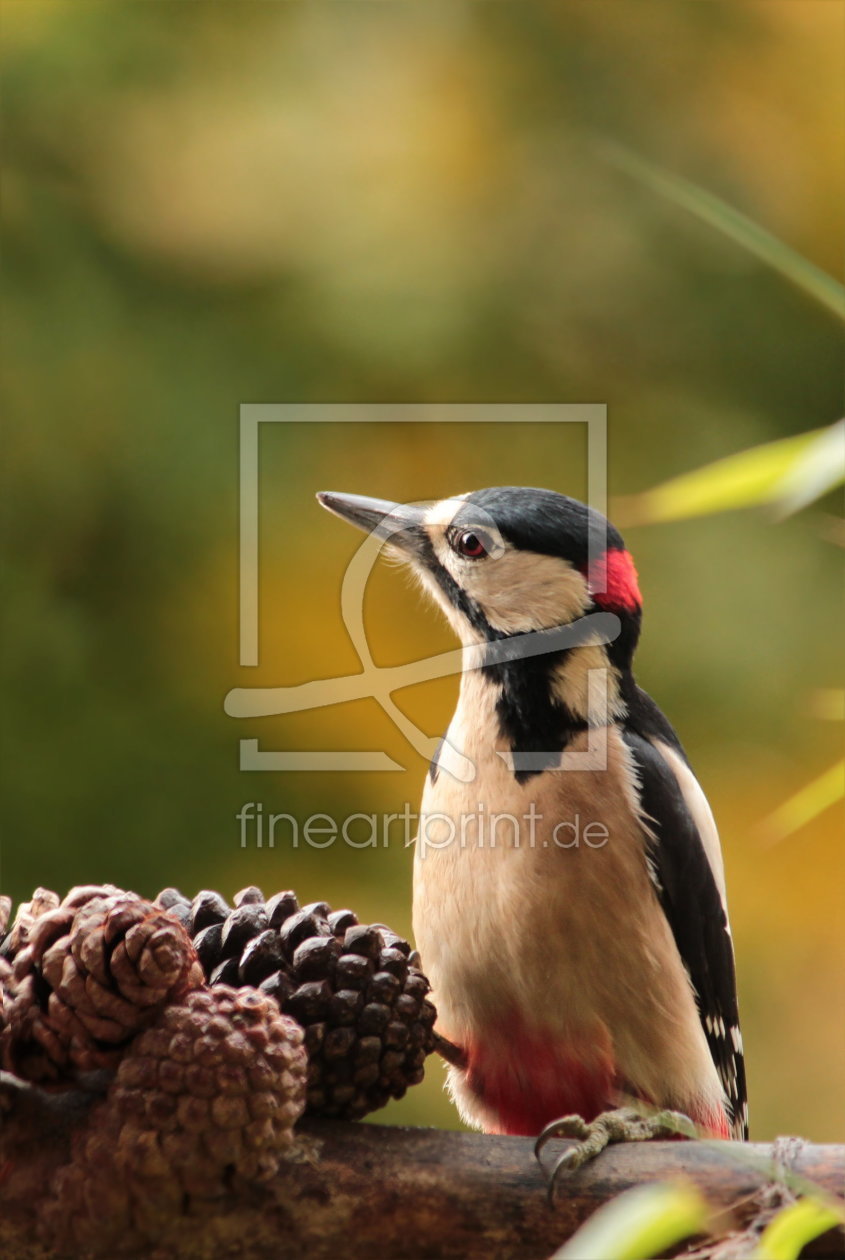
{"x": 516, "y": 911}
{"x": 550, "y": 961}
{"x": 512, "y": 957}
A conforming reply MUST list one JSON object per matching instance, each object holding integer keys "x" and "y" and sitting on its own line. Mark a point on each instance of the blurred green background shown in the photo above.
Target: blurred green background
{"x": 214, "y": 203}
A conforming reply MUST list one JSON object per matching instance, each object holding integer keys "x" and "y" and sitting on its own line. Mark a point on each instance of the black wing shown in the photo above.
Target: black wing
{"x": 693, "y": 906}
{"x": 647, "y": 718}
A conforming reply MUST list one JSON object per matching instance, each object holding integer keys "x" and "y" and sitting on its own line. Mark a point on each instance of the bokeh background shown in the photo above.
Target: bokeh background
{"x": 214, "y": 203}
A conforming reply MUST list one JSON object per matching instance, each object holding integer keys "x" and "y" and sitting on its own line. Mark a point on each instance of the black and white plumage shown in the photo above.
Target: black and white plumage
{"x": 569, "y": 975}
{"x": 692, "y": 900}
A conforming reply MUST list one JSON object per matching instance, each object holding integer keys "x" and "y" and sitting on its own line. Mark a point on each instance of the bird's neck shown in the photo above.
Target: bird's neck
{"x": 540, "y": 704}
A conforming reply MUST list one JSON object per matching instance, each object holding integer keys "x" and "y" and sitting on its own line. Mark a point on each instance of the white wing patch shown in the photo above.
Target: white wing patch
{"x": 702, "y": 815}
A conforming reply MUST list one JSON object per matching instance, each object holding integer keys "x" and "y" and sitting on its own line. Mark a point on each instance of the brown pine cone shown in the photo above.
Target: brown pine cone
{"x": 356, "y": 990}
{"x": 5, "y": 911}
{"x": 88, "y": 975}
{"x": 211, "y": 1091}
{"x": 28, "y": 912}
{"x": 5, "y": 993}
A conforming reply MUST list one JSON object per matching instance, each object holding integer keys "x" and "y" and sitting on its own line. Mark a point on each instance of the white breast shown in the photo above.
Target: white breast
{"x": 509, "y": 921}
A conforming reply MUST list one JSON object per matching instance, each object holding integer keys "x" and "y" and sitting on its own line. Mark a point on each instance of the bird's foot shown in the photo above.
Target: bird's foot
{"x": 623, "y": 1125}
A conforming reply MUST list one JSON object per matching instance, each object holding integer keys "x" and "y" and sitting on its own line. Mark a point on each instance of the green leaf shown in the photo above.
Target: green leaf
{"x": 747, "y": 479}
{"x": 639, "y": 1224}
{"x": 806, "y": 804}
{"x": 785, "y": 1237}
{"x": 817, "y": 470}
{"x": 732, "y": 223}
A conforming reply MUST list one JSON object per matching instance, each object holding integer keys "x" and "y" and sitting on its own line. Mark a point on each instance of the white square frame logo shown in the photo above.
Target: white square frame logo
{"x": 254, "y": 702}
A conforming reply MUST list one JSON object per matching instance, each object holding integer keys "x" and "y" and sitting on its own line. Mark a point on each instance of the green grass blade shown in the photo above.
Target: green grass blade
{"x": 747, "y": 479}
{"x": 819, "y": 469}
{"x": 639, "y": 1224}
{"x": 785, "y": 1237}
{"x": 735, "y": 225}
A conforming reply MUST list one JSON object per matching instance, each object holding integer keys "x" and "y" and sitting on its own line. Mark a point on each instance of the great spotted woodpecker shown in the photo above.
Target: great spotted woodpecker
{"x": 572, "y": 968}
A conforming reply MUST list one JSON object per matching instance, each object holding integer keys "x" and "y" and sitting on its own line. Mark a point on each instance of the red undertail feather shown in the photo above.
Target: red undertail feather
{"x": 527, "y": 1081}
{"x": 712, "y": 1121}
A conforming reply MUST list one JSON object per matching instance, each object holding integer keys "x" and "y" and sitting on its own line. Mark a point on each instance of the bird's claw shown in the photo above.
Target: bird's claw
{"x": 589, "y": 1140}
{"x": 575, "y": 1128}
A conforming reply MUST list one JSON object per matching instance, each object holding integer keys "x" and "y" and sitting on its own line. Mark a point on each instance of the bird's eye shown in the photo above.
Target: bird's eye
{"x": 472, "y": 544}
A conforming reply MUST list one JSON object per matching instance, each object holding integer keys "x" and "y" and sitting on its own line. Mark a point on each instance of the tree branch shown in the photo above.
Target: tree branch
{"x": 366, "y": 1192}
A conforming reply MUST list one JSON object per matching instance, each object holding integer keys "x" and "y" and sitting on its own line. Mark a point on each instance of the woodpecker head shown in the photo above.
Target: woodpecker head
{"x": 509, "y": 559}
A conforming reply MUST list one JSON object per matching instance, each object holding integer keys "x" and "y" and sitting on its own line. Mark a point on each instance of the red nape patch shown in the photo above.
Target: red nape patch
{"x": 527, "y": 1080}
{"x": 613, "y": 581}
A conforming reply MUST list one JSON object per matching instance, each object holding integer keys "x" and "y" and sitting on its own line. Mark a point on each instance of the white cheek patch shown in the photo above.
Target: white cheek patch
{"x": 525, "y": 591}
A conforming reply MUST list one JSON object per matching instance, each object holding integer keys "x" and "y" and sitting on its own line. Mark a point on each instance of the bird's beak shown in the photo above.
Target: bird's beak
{"x": 401, "y": 523}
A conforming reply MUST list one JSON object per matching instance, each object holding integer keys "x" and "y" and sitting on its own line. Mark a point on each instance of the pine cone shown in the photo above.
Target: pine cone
{"x": 355, "y": 989}
{"x": 5, "y": 993}
{"x": 88, "y": 974}
{"x": 16, "y": 937}
{"x": 5, "y": 911}
{"x": 212, "y": 1090}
